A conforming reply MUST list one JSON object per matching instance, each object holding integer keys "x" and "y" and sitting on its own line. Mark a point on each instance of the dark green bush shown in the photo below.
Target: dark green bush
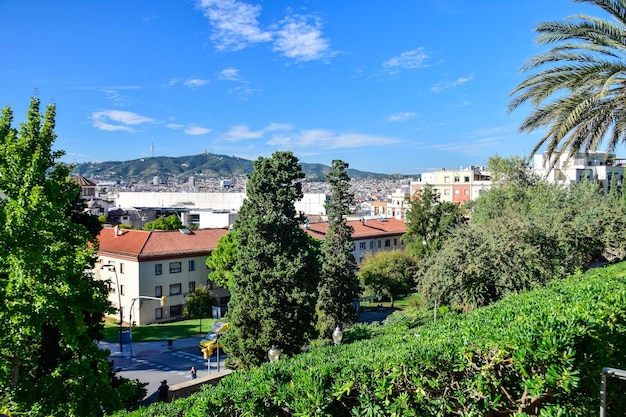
{"x": 538, "y": 352}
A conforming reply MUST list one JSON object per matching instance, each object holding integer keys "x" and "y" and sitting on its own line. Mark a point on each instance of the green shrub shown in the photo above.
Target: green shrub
{"x": 538, "y": 352}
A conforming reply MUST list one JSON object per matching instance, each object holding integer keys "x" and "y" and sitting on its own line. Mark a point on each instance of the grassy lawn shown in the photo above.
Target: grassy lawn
{"x": 155, "y": 332}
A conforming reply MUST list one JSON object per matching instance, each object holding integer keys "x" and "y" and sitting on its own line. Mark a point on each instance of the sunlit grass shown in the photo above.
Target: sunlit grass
{"x": 155, "y": 332}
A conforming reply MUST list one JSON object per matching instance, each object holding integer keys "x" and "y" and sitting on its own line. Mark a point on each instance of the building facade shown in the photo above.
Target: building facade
{"x": 371, "y": 235}
{"x": 456, "y": 186}
{"x": 593, "y": 166}
{"x": 158, "y": 263}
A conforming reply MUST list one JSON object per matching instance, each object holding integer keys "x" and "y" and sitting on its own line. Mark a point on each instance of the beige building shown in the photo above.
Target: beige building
{"x": 158, "y": 263}
{"x": 370, "y": 235}
{"x": 456, "y": 186}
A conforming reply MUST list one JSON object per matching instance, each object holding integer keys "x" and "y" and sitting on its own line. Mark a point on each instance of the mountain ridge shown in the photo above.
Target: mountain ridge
{"x": 205, "y": 165}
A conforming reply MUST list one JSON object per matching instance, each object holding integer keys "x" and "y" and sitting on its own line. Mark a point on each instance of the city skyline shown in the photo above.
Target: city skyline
{"x": 405, "y": 89}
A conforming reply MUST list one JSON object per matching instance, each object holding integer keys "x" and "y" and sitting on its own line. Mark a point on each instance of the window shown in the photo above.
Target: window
{"x": 122, "y": 290}
{"x": 175, "y": 289}
{"x": 456, "y": 178}
{"x": 446, "y": 179}
{"x": 192, "y": 265}
{"x": 121, "y": 268}
{"x": 465, "y": 192}
{"x": 158, "y": 269}
{"x": 446, "y": 192}
{"x": 175, "y": 267}
{"x": 158, "y": 313}
{"x": 158, "y": 291}
{"x": 395, "y": 242}
{"x": 379, "y": 244}
{"x": 176, "y": 310}
{"x": 387, "y": 243}
{"x": 457, "y": 192}
{"x": 362, "y": 245}
{"x": 192, "y": 286}
{"x": 372, "y": 242}
{"x": 466, "y": 178}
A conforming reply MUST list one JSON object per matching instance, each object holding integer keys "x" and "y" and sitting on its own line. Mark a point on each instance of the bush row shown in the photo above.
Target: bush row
{"x": 538, "y": 353}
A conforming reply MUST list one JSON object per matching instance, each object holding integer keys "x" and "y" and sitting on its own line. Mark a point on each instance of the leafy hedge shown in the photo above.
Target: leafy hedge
{"x": 538, "y": 353}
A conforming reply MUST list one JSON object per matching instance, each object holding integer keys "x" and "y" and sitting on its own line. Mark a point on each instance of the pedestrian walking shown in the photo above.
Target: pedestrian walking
{"x": 193, "y": 372}
{"x": 164, "y": 391}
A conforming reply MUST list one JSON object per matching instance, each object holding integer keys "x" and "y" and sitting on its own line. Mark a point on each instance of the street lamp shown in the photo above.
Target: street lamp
{"x": 119, "y": 300}
{"x": 337, "y": 335}
{"x": 130, "y": 317}
{"x": 273, "y": 354}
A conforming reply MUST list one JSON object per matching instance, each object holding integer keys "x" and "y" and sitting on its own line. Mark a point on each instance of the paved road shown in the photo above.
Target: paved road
{"x": 153, "y": 362}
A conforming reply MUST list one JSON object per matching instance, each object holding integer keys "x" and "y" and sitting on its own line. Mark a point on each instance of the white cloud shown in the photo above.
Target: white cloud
{"x": 235, "y": 24}
{"x": 327, "y": 139}
{"x": 242, "y": 132}
{"x": 401, "y": 117}
{"x": 195, "y": 82}
{"x": 112, "y": 120}
{"x": 230, "y": 74}
{"x": 197, "y": 130}
{"x": 412, "y": 59}
{"x": 189, "y": 129}
{"x": 439, "y": 87}
{"x": 301, "y": 40}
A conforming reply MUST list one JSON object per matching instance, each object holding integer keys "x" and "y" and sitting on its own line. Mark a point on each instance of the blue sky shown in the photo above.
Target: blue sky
{"x": 401, "y": 86}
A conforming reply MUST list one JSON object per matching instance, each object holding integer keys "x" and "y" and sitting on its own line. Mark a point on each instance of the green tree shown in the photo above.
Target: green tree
{"x": 171, "y": 222}
{"x": 274, "y": 282}
{"x": 199, "y": 303}
{"x": 339, "y": 286}
{"x": 578, "y": 89}
{"x": 429, "y": 221}
{"x": 388, "y": 273}
{"x": 223, "y": 260}
{"x": 52, "y": 308}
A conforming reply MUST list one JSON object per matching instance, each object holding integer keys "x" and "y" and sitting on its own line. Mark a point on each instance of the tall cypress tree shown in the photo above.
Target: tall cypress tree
{"x": 339, "y": 285}
{"x": 273, "y": 288}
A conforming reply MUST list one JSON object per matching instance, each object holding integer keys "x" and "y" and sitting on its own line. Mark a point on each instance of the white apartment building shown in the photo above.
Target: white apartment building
{"x": 456, "y": 186}
{"x": 593, "y": 166}
{"x": 158, "y": 263}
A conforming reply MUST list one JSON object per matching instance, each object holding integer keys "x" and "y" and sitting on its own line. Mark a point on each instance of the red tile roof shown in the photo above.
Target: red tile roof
{"x": 363, "y": 229}
{"x": 141, "y": 244}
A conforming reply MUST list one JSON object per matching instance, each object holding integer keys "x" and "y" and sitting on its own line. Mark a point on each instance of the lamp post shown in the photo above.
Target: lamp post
{"x": 130, "y": 317}
{"x": 273, "y": 354}
{"x": 337, "y": 335}
{"x": 119, "y": 301}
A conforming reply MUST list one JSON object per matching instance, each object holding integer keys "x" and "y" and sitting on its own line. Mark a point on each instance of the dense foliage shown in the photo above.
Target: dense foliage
{"x": 388, "y": 274}
{"x": 537, "y": 352}
{"x": 523, "y": 233}
{"x": 429, "y": 221}
{"x": 578, "y": 91}
{"x": 223, "y": 260}
{"x": 171, "y": 222}
{"x": 52, "y": 308}
{"x": 338, "y": 286}
{"x": 274, "y": 282}
{"x": 199, "y": 303}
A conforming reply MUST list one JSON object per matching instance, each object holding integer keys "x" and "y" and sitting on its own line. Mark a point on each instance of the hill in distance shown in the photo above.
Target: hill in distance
{"x": 205, "y": 165}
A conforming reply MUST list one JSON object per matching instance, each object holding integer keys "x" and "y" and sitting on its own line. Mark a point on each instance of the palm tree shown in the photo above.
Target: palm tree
{"x": 579, "y": 94}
